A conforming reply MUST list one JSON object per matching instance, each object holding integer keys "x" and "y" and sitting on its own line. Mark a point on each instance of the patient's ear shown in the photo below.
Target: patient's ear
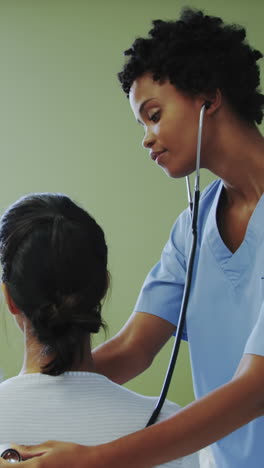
{"x": 11, "y": 305}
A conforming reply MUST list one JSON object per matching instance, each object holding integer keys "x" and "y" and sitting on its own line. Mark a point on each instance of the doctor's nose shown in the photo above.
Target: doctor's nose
{"x": 148, "y": 140}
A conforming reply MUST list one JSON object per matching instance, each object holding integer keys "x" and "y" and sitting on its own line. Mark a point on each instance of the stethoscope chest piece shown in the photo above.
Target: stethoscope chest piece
{"x": 11, "y": 455}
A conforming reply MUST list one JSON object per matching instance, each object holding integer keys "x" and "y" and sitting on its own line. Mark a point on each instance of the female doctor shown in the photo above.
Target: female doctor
{"x": 168, "y": 78}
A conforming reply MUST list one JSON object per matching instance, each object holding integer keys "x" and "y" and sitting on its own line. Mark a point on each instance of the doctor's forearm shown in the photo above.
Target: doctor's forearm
{"x": 198, "y": 425}
{"x": 133, "y": 349}
{"x": 114, "y": 360}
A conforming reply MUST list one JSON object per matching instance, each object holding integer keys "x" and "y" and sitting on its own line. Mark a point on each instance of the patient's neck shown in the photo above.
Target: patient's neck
{"x": 35, "y": 358}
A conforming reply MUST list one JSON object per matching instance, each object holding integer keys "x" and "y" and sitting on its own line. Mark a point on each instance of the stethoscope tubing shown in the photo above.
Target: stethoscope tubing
{"x": 194, "y": 209}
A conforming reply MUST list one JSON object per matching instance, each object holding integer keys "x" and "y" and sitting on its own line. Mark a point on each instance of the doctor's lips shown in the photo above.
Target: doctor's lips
{"x": 155, "y": 154}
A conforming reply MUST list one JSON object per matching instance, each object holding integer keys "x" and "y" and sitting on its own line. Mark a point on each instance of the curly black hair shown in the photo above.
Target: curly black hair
{"x": 199, "y": 53}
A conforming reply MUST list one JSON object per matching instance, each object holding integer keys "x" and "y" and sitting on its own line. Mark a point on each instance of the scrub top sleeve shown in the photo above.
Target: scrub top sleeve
{"x": 255, "y": 343}
{"x": 162, "y": 290}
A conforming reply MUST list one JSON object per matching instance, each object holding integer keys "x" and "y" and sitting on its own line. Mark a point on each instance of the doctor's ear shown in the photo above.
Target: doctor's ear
{"x": 213, "y": 102}
{"x": 11, "y": 305}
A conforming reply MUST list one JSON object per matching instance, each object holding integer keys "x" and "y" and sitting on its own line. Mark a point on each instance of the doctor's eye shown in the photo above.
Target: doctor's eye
{"x": 155, "y": 117}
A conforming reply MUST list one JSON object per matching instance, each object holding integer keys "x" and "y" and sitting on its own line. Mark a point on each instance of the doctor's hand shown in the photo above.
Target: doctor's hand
{"x": 58, "y": 455}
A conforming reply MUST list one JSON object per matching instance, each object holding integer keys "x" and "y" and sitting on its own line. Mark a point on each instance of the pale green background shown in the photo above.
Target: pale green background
{"x": 66, "y": 126}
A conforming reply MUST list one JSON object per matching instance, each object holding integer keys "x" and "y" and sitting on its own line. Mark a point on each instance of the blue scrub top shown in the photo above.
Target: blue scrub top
{"x": 225, "y": 317}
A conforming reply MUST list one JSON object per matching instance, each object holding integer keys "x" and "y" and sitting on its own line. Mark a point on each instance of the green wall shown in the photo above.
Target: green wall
{"x": 66, "y": 126}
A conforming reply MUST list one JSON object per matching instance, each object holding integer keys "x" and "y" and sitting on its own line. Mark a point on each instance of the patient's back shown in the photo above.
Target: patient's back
{"x": 80, "y": 407}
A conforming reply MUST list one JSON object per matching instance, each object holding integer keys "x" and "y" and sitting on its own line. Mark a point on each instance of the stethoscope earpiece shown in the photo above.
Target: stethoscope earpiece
{"x": 207, "y": 104}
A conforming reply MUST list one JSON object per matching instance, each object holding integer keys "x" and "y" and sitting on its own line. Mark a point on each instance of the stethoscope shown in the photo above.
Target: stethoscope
{"x": 12, "y": 455}
{"x": 194, "y": 208}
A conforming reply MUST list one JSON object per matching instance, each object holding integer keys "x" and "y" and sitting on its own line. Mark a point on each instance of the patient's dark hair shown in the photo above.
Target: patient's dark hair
{"x": 197, "y": 54}
{"x": 54, "y": 260}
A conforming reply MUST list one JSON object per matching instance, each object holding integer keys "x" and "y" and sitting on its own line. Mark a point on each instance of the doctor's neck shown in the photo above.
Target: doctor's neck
{"x": 235, "y": 153}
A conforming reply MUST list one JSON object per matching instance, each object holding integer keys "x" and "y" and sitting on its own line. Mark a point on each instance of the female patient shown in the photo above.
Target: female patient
{"x": 54, "y": 262}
